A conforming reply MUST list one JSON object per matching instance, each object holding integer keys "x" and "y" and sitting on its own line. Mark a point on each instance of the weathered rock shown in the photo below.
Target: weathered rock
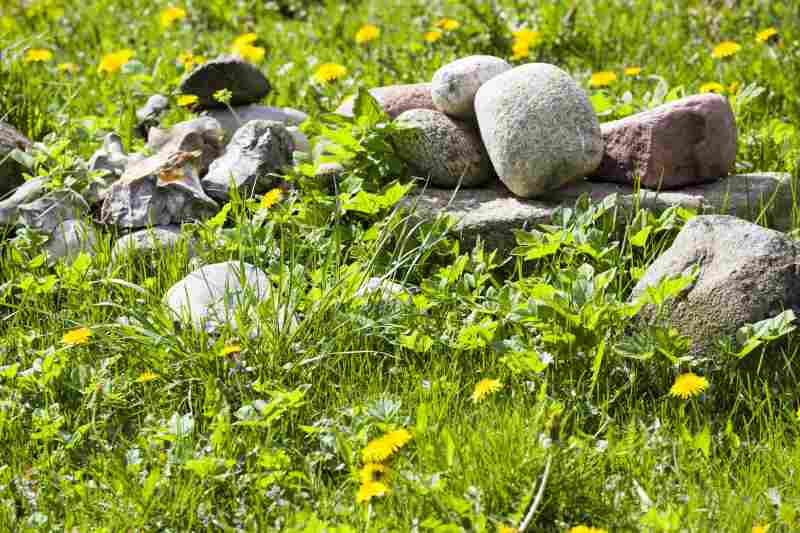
{"x": 387, "y": 289}
{"x": 258, "y": 149}
{"x": 203, "y": 133}
{"x": 10, "y": 169}
{"x": 747, "y": 273}
{"x": 110, "y": 157}
{"x": 149, "y": 114}
{"x": 211, "y": 296}
{"x": 27, "y": 192}
{"x": 46, "y": 212}
{"x": 443, "y": 149}
{"x": 69, "y": 238}
{"x": 163, "y": 189}
{"x": 232, "y": 121}
{"x": 395, "y": 99}
{"x": 245, "y": 82}
{"x": 147, "y": 243}
{"x": 301, "y": 142}
{"x": 454, "y": 85}
{"x": 539, "y": 128}
{"x": 494, "y": 213}
{"x": 685, "y": 142}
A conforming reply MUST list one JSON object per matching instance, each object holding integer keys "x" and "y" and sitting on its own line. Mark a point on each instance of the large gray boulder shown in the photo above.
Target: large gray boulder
{"x": 70, "y": 238}
{"x": 454, "y": 85}
{"x": 539, "y": 128}
{"x": 232, "y": 119}
{"x": 203, "y": 133}
{"x": 258, "y": 150}
{"x": 210, "y": 297}
{"x": 747, "y": 273}
{"x": 10, "y": 169}
{"x": 444, "y": 149}
{"x": 245, "y": 82}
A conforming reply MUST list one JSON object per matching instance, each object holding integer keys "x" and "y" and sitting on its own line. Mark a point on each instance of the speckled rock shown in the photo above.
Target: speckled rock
{"x": 150, "y": 243}
{"x": 202, "y": 133}
{"x": 443, "y": 149}
{"x": 454, "y": 85}
{"x": 685, "y": 142}
{"x": 52, "y": 208}
{"x": 10, "y": 170}
{"x": 245, "y": 82}
{"x": 148, "y": 115}
{"x": 210, "y": 297}
{"x": 395, "y": 99}
{"x": 258, "y": 150}
{"x": 747, "y": 273}
{"x": 539, "y": 128}
{"x": 69, "y": 238}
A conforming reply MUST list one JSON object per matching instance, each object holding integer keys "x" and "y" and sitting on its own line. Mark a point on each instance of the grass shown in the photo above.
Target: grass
{"x": 151, "y": 427}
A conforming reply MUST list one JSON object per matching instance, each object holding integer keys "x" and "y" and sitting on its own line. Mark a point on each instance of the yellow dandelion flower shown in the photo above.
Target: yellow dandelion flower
{"x": 171, "y": 15}
{"x": 798, "y": 411}
{"x": 528, "y": 36}
{"x": 111, "y": 63}
{"x": 602, "y": 79}
{"x": 367, "y": 33}
{"x": 506, "y": 529}
{"x": 76, "y": 336}
{"x": 520, "y": 49}
{"x": 447, "y": 24}
{"x": 245, "y": 38}
{"x": 633, "y": 71}
{"x": 725, "y": 49}
{"x": 231, "y": 349}
{"x": 367, "y": 491}
{"x": 34, "y": 55}
{"x": 712, "y": 87}
{"x": 587, "y": 529}
{"x": 271, "y": 198}
{"x": 373, "y": 472}
{"x": 759, "y": 529}
{"x": 70, "y": 68}
{"x": 147, "y": 376}
{"x": 484, "y": 388}
{"x": 188, "y": 60}
{"x": 765, "y": 35}
{"x": 432, "y": 36}
{"x": 380, "y": 449}
{"x": 328, "y": 72}
{"x": 185, "y": 100}
{"x": 248, "y": 52}
{"x": 687, "y": 385}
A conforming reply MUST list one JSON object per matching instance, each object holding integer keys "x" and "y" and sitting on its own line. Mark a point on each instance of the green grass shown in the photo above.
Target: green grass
{"x": 270, "y": 438}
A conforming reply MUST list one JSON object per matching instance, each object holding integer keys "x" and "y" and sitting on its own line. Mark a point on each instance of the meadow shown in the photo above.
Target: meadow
{"x": 500, "y": 392}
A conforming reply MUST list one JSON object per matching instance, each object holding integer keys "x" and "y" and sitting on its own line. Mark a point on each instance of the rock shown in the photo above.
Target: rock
{"x": 27, "y": 192}
{"x": 387, "y": 289}
{"x": 68, "y": 239}
{"x": 149, "y": 114}
{"x": 110, "y": 157}
{"x": 10, "y": 169}
{"x": 685, "y": 142}
{"x": 747, "y": 273}
{"x": 49, "y": 210}
{"x": 232, "y": 121}
{"x": 245, "y": 82}
{"x": 395, "y": 99}
{"x": 492, "y": 214}
{"x": 454, "y": 85}
{"x": 203, "y": 133}
{"x": 150, "y": 243}
{"x": 301, "y": 142}
{"x": 539, "y": 128}
{"x": 164, "y": 188}
{"x": 446, "y": 150}
{"x": 210, "y": 297}
{"x": 258, "y": 149}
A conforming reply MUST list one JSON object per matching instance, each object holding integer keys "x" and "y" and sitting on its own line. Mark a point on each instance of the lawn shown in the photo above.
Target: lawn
{"x": 495, "y": 389}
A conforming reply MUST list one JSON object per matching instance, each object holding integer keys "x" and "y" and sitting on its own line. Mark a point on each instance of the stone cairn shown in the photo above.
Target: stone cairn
{"x": 498, "y": 147}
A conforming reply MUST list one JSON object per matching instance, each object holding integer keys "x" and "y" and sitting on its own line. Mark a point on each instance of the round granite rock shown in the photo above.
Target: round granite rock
{"x": 454, "y": 85}
{"x": 245, "y": 82}
{"x": 439, "y": 147}
{"x": 539, "y": 128}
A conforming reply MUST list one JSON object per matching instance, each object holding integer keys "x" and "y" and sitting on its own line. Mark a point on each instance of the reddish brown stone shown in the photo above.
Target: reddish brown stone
{"x": 396, "y": 99}
{"x": 686, "y": 142}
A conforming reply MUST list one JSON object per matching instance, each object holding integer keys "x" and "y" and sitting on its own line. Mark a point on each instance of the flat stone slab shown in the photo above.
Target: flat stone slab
{"x": 494, "y": 213}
